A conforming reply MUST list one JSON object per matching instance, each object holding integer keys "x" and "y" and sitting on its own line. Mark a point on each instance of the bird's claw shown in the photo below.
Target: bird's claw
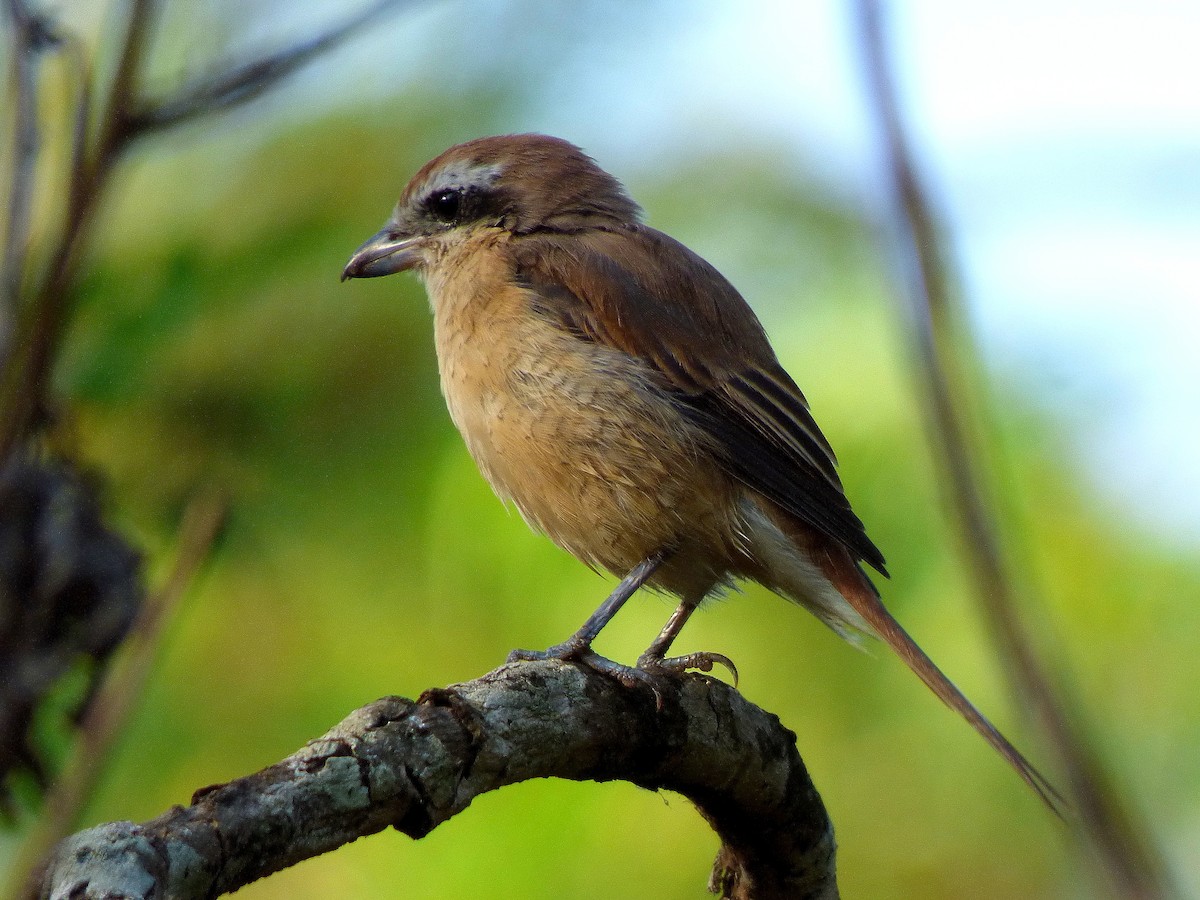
{"x": 677, "y": 665}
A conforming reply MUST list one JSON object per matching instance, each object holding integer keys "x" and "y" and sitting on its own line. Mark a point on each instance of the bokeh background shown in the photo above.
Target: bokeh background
{"x": 366, "y": 556}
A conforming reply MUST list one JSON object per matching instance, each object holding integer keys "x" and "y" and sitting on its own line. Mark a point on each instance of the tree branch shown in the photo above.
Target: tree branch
{"x": 244, "y": 81}
{"x": 414, "y": 765}
{"x": 30, "y": 35}
{"x": 125, "y": 117}
{"x": 107, "y": 710}
{"x": 26, "y": 374}
{"x": 1124, "y": 845}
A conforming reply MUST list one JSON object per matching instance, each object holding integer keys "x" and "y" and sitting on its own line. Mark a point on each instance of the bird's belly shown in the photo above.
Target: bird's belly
{"x": 589, "y": 450}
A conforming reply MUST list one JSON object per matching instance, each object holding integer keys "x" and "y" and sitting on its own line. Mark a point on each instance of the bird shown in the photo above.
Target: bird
{"x": 616, "y": 389}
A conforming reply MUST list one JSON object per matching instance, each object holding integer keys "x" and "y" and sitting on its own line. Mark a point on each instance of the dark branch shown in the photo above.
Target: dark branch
{"x": 30, "y": 36}
{"x": 107, "y": 711}
{"x": 245, "y": 81}
{"x": 27, "y": 370}
{"x": 1122, "y": 843}
{"x": 412, "y": 766}
{"x": 125, "y": 117}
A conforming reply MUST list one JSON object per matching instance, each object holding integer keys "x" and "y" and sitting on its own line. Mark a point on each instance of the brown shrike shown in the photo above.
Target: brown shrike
{"x": 620, "y": 392}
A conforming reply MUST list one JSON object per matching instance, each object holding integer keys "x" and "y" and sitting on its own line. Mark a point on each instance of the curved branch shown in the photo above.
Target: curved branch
{"x": 413, "y": 765}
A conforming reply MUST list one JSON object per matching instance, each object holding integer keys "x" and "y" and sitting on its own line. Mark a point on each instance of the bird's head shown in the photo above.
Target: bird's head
{"x": 520, "y": 183}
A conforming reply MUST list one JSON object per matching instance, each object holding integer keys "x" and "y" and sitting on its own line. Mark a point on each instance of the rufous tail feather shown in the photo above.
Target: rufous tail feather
{"x": 866, "y": 602}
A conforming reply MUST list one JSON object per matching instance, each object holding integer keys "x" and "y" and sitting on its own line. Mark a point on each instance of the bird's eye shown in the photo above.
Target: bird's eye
{"x": 445, "y": 205}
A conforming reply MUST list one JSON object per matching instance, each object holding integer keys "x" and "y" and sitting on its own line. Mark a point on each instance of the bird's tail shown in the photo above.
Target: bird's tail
{"x": 821, "y": 575}
{"x": 867, "y": 604}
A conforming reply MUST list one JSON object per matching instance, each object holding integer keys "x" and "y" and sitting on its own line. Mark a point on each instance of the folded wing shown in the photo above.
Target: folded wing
{"x": 694, "y": 330}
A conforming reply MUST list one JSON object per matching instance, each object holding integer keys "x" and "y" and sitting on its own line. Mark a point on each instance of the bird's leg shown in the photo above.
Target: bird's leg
{"x": 655, "y": 658}
{"x": 579, "y": 645}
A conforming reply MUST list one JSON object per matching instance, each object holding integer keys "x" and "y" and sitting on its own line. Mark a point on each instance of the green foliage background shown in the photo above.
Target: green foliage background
{"x": 365, "y": 555}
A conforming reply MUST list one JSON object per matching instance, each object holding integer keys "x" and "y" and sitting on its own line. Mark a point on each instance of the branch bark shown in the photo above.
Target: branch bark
{"x": 413, "y": 765}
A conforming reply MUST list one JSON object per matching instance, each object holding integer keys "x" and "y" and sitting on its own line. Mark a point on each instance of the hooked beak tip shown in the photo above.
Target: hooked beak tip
{"x": 383, "y": 253}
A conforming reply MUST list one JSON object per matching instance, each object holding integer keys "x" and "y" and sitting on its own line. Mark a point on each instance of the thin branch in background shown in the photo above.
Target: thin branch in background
{"x": 1124, "y": 845}
{"x": 108, "y": 711}
{"x": 108, "y": 117}
{"x": 127, "y": 116}
{"x": 30, "y": 36}
{"x": 41, "y": 322}
{"x": 245, "y": 81}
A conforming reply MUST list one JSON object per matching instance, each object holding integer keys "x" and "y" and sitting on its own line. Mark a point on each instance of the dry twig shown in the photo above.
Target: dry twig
{"x": 112, "y": 111}
{"x": 125, "y": 116}
{"x": 1123, "y": 845}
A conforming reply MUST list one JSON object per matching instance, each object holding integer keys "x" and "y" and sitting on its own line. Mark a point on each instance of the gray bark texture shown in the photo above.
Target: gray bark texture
{"x": 412, "y": 765}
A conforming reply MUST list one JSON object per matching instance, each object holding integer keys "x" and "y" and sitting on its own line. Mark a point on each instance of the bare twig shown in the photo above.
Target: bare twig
{"x": 414, "y": 765}
{"x": 1125, "y": 847}
{"x": 27, "y": 370}
{"x": 30, "y": 36}
{"x": 126, "y": 116}
{"x": 110, "y": 708}
{"x": 245, "y": 81}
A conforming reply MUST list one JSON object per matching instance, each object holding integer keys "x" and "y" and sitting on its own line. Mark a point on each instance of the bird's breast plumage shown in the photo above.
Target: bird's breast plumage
{"x": 577, "y": 435}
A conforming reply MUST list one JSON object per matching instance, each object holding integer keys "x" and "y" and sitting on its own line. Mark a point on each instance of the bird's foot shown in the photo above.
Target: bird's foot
{"x": 677, "y": 665}
{"x": 643, "y": 674}
{"x": 572, "y": 650}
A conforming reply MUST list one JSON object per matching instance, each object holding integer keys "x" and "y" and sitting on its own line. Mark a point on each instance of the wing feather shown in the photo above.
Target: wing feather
{"x": 691, "y": 327}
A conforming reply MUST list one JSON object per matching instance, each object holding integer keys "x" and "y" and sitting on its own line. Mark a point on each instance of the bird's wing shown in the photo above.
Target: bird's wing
{"x": 645, "y": 294}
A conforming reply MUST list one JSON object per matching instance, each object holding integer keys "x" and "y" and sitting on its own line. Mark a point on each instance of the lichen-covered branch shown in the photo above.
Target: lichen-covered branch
{"x": 413, "y": 765}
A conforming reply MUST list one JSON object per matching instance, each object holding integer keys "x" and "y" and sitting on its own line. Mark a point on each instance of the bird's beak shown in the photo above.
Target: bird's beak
{"x": 383, "y": 253}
